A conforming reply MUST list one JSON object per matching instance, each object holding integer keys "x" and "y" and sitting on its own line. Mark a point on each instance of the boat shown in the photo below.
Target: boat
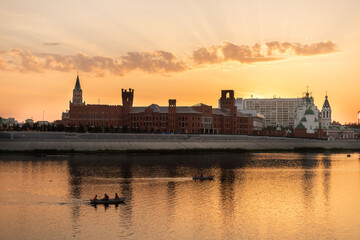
{"x": 202, "y": 178}
{"x": 110, "y": 201}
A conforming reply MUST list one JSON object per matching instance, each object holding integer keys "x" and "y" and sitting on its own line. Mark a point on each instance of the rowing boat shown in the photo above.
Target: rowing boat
{"x": 110, "y": 201}
{"x": 202, "y": 178}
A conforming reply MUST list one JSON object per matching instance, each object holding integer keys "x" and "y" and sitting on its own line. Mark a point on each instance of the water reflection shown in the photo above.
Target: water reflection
{"x": 326, "y": 162}
{"x": 254, "y": 196}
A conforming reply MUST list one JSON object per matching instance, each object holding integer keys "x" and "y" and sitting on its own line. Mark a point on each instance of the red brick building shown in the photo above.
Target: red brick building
{"x": 199, "y": 118}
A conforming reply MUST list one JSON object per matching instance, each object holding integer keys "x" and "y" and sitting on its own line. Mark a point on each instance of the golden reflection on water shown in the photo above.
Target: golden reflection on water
{"x": 254, "y": 196}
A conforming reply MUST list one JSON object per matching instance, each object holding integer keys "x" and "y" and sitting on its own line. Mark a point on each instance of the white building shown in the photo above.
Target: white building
{"x": 278, "y": 112}
{"x": 307, "y": 115}
{"x": 239, "y": 104}
{"x": 325, "y": 120}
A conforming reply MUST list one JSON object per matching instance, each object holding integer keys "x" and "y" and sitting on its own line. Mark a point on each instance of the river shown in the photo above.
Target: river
{"x": 253, "y": 196}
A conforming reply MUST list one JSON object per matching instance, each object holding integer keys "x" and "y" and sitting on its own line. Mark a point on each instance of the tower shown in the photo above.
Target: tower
{"x": 77, "y": 93}
{"x": 127, "y": 100}
{"x": 172, "y": 115}
{"x": 326, "y": 113}
{"x": 227, "y": 101}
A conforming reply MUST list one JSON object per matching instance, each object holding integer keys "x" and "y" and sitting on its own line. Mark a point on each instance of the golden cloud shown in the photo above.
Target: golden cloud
{"x": 156, "y": 62}
{"x": 151, "y": 62}
{"x": 257, "y": 53}
{"x": 301, "y": 49}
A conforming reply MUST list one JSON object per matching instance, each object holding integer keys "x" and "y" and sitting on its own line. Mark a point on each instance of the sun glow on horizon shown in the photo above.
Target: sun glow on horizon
{"x": 176, "y": 50}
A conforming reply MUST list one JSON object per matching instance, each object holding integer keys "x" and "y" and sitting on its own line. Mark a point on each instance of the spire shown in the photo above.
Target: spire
{"x": 326, "y": 103}
{"x": 77, "y": 85}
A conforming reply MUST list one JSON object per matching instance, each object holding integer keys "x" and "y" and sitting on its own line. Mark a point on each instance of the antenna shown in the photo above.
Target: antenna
{"x": 43, "y": 123}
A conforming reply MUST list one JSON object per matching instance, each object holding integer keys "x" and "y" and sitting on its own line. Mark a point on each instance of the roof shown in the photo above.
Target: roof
{"x": 253, "y": 113}
{"x": 223, "y": 112}
{"x": 300, "y": 126}
{"x": 156, "y": 108}
{"x": 77, "y": 84}
{"x": 303, "y": 119}
{"x": 309, "y": 112}
{"x": 138, "y": 109}
{"x": 200, "y": 105}
{"x": 240, "y": 114}
{"x": 186, "y": 110}
{"x": 326, "y": 103}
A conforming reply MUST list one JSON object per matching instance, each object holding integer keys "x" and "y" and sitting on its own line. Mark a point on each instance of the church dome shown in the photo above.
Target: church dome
{"x": 309, "y": 112}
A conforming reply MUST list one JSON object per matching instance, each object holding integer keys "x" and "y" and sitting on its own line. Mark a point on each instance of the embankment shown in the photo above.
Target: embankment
{"x": 43, "y": 142}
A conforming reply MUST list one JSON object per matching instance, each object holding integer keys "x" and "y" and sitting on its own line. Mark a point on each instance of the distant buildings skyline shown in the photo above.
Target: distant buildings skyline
{"x": 199, "y": 118}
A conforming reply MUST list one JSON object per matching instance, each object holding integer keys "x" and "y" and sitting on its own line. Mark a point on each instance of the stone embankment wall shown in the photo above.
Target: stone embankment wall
{"x": 92, "y": 142}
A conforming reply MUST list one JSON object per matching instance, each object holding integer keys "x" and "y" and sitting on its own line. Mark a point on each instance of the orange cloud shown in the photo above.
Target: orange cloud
{"x": 206, "y": 55}
{"x": 159, "y": 61}
{"x": 251, "y": 54}
{"x": 300, "y": 49}
{"x": 244, "y": 54}
{"x": 230, "y": 52}
{"x": 151, "y": 62}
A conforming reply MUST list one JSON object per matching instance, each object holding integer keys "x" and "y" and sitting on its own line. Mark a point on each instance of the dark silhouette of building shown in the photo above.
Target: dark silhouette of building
{"x": 199, "y": 118}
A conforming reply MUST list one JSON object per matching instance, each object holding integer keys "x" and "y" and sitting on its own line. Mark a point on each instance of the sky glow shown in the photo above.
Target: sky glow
{"x": 188, "y": 50}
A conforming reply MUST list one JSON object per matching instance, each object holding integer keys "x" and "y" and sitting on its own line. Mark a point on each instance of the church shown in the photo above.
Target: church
{"x": 196, "y": 119}
{"x": 309, "y": 120}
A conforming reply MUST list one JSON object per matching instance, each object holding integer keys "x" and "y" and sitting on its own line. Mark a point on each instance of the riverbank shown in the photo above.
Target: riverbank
{"x": 43, "y": 142}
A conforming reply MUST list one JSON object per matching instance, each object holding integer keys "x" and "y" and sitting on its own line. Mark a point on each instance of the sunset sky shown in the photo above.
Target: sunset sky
{"x": 187, "y": 50}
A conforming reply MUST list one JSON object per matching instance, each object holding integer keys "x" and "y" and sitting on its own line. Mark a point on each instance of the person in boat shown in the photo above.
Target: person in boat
{"x": 116, "y": 196}
{"x": 106, "y": 197}
{"x": 95, "y": 198}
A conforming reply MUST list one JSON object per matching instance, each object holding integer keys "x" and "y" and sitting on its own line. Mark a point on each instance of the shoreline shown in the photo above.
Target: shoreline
{"x": 46, "y": 152}
{"x": 86, "y": 143}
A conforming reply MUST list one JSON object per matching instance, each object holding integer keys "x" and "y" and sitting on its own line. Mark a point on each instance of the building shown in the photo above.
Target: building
{"x": 325, "y": 118}
{"x": 29, "y": 121}
{"x": 258, "y": 119}
{"x": 239, "y": 103}
{"x": 278, "y": 112}
{"x": 199, "y": 118}
{"x": 42, "y": 123}
{"x": 8, "y": 122}
{"x": 307, "y": 116}
{"x": 337, "y": 132}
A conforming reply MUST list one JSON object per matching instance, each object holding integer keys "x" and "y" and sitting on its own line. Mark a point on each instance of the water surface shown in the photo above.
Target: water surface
{"x": 253, "y": 196}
